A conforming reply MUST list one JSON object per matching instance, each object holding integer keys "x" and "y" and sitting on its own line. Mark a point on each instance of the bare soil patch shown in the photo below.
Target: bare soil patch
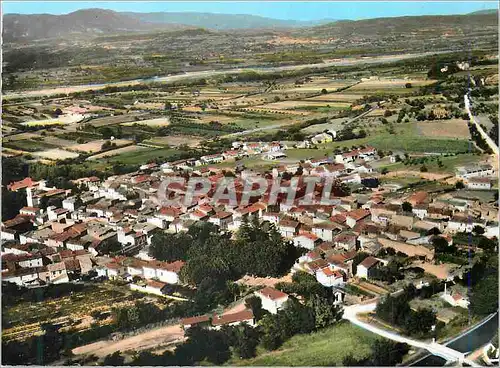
{"x": 454, "y": 128}
{"x": 95, "y": 146}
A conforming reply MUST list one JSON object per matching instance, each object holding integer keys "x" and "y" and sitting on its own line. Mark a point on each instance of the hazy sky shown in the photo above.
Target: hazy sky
{"x": 278, "y": 9}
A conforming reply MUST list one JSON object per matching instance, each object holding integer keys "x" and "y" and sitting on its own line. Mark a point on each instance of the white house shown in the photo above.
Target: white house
{"x": 163, "y": 271}
{"x": 234, "y": 319}
{"x": 479, "y": 184}
{"x": 326, "y": 230}
{"x": 329, "y": 278}
{"x": 363, "y": 270}
{"x": 306, "y": 240}
{"x": 272, "y": 300}
{"x": 455, "y": 298}
{"x": 151, "y": 287}
{"x": 288, "y": 228}
{"x": 221, "y": 219}
{"x": 474, "y": 171}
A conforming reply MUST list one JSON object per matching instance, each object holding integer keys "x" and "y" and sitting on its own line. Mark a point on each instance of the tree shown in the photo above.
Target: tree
{"x": 478, "y": 230}
{"x": 325, "y": 313}
{"x": 388, "y": 353}
{"x": 170, "y": 247}
{"x": 407, "y": 207}
{"x": 114, "y": 359}
{"x": 459, "y": 185}
{"x": 254, "y": 303}
{"x": 384, "y": 171}
{"x": 324, "y": 91}
{"x": 408, "y": 85}
{"x": 484, "y": 298}
{"x": 247, "y": 339}
{"x": 423, "y": 168}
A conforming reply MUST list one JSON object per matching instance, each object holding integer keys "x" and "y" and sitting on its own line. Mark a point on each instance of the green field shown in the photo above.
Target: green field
{"x": 324, "y": 348}
{"x": 449, "y": 163}
{"x": 29, "y": 145}
{"x": 142, "y": 156}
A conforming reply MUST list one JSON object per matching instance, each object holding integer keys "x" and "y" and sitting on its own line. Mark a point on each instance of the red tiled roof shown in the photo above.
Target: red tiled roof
{"x": 25, "y": 183}
{"x": 272, "y": 293}
{"x": 156, "y": 284}
{"x": 172, "y": 267}
{"x": 231, "y": 318}
{"x": 418, "y": 197}
{"x": 288, "y": 223}
{"x": 369, "y": 262}
{"x": 358, "y": 214}
{"x": 194, "y": 320}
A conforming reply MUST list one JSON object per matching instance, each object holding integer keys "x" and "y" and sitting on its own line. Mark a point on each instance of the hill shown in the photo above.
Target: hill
{"x": 222, "y": 21}
{"x": 19, "y": 27}
{"x": 394, "y": 26}
{"x": 486, "y": 11}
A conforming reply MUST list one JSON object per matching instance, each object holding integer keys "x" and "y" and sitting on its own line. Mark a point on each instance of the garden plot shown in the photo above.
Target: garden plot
{"x": 60, "y": 120}
{"x": 392, "y": 85}
{"x": 113, "y": 120}
{"x": 174, "y": 141}
{"x": 29, "y": 145}
{"x": 55, "y": 154}
{"x": 287, "y": 105}
{"x": 266, "y": 110}
{"x": 454, "y": 128}
{"x": 334, "y": 124}
{"x": 95, "y": 146}
{"x": 335, "y": 97}
{"x": 56, "y": 141}
{"x": 158, "y": 122}
{"x": 119, "y": 151}
{"x": 20, "y": 137}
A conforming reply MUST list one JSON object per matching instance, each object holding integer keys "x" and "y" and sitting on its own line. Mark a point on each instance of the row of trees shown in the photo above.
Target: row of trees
{"x": 478, "y": 138}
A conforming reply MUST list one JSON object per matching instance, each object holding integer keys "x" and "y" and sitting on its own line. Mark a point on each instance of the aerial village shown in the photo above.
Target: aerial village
{"x": 73, "y": 238}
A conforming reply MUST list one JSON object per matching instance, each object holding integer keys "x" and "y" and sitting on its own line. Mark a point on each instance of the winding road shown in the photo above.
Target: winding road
{"x": 351, "y": 312}
{"x": 480, "y": 129}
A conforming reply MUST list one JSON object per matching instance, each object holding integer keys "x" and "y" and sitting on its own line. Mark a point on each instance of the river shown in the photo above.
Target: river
{"x": 464, "y": 344}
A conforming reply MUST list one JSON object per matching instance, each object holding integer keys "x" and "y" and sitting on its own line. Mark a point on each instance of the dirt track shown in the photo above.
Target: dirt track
{"x": 153, "y": 339}
{"x": 147, "y": 340}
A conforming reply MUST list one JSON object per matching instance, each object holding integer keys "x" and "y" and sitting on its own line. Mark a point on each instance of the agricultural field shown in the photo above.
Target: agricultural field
{"x": 25, "y": 318}
{"x": 118, "y": 152}
{"x": 335, "y": 97}
{"x": 135, "y": 155}
{"x": 454, "y": 128}
{"x": 95, "y": 146}
{"x": 174, "y": 141}
{"x": 55, "y": 154}
{"x": 324, "y": 348}
{"x": 114, "y": 120}
{"x": 29, "y": 145}
{"x": 158, "y": 122}
{"x": 448, "y": 163}
{"x": 35, "y": 123}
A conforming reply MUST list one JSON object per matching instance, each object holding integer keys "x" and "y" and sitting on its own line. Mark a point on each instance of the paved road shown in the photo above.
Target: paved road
{"x": 350, "y": 314}
{"x": 210, "y": 73}
{"x": 475, "y": 120}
